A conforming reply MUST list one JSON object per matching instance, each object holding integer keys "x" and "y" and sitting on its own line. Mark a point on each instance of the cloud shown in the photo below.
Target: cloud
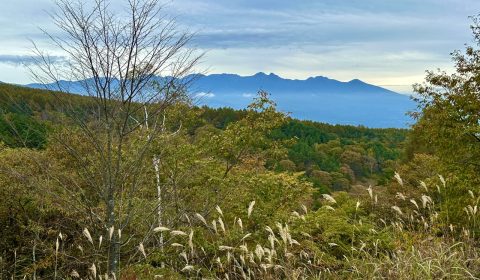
{"x": 248, "y": 95}
{"x": 283, "y": 24}
{"x": 204, "y": 95}
{"x": 25, "y": 60}
{"x": 382, "y": 42}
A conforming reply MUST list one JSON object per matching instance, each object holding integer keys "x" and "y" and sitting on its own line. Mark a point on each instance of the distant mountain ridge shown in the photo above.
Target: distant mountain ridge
{"x": 274, "y": 83}
{"x": 316, "y": 98}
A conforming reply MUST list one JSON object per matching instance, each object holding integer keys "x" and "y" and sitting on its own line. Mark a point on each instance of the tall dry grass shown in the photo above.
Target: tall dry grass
{"x": 370, "y": 237}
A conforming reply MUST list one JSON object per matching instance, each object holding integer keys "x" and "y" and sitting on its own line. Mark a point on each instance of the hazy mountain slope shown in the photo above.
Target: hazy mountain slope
{"x": 316, "y": 98}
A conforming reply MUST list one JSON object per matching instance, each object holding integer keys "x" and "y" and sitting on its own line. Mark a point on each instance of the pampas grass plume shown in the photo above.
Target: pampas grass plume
{"x": 250, "y": 208}
{"x": 86, "y": 233}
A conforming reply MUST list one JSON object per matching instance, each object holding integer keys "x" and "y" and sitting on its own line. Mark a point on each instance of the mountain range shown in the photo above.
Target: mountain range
{"x": 316, "y": 98}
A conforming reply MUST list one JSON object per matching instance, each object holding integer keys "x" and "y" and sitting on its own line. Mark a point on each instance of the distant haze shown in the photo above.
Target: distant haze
{"x": 316, "y": 98}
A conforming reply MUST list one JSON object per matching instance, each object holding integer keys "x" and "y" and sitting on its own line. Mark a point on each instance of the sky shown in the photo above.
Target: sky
{"x": 389, "y": 43}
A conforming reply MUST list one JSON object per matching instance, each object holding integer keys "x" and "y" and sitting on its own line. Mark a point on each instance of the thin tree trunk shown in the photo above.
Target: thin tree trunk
{"x": 156, "y": 165}
{"x": 34, "y": 257}
{"x": 115, "y": 242}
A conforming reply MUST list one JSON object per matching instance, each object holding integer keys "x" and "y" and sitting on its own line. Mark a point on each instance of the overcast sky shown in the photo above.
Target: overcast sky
{"x": 384, "y": 42}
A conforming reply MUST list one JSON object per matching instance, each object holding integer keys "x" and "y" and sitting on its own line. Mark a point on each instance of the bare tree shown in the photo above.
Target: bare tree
{"x": 134, "y": 63}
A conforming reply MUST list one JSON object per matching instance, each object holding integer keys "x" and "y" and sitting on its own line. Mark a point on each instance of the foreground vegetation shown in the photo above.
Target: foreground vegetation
{"x": 223, "y": 176}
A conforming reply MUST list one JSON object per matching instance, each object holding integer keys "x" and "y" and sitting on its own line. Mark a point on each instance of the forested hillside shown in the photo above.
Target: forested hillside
{"x": 231, "y": 167}
{"x": 334, "y": 157}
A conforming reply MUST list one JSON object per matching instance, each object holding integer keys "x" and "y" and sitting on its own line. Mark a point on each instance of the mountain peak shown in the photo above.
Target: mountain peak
{"x": 356, "y": 81}
{"x": 259, "y": 74}
{"x": 317, "y": 78}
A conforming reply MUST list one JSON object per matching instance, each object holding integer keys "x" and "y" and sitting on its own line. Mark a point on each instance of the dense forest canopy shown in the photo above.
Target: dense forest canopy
{"x": 333, "y": 156}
